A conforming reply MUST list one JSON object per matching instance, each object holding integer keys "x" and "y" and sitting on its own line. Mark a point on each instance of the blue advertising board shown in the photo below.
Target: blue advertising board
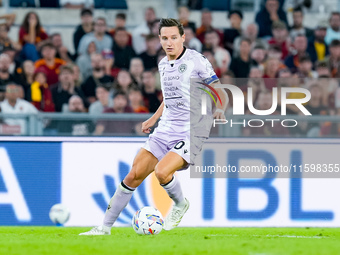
{"x": 30, "y": 179}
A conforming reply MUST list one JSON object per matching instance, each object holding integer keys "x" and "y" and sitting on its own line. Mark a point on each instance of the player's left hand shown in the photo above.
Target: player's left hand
{"x": 219, "y": 115}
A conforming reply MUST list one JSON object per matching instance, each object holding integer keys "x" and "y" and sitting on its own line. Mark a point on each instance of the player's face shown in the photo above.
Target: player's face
{"x": 172, "y": 42}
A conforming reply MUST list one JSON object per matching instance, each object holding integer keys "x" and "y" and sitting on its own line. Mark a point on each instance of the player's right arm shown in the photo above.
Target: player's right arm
{"x": 146, "y": 125}
{"x": 207, "y": 73}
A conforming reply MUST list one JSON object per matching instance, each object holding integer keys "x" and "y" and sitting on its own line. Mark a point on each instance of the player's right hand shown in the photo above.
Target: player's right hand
{"x": 146, "y": 125}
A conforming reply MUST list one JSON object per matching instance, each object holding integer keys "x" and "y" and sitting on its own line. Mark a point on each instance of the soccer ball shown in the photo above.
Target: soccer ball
{"x": 59, "y": 214}
{"x": 148, "y": 221}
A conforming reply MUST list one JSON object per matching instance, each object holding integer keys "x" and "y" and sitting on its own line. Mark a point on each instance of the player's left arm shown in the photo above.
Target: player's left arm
{"x": 220, "y": 108}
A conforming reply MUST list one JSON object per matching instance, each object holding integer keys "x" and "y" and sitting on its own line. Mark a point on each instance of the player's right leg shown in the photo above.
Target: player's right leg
{"x": 165, "y": 170}
{"x": 143, "y": 164}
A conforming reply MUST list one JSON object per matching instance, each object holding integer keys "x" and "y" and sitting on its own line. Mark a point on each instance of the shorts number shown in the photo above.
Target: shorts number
{"x": 179, "y": 145}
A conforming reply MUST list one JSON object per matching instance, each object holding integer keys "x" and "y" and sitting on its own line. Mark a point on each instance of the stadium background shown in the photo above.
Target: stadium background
{"x": 82, "y": 172}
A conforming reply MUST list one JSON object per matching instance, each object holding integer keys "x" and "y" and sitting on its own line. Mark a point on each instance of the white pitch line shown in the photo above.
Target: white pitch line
{"x": 223, "y": 235}
{"x": 286, "y": 236}
{"x": 259, "y": 254}
{"x": 289, "y": 236}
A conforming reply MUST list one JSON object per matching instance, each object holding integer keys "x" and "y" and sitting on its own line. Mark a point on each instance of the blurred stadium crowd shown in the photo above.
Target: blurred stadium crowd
{"x": 114, "y": 70}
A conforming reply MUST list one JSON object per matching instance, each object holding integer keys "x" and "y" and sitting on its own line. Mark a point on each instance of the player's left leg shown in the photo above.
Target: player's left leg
{"x": 164, "y": 172}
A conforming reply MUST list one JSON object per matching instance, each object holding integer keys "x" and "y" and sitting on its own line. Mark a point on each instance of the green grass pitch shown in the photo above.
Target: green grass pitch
{"x": 251, "y": 241}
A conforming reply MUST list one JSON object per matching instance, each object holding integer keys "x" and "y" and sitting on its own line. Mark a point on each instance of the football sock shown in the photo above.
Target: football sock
{"x": 117, "y": 203}
{"x": 173, "y": 188}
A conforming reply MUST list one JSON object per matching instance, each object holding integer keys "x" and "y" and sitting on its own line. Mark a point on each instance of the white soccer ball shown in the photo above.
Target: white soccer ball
{"x": 148, "y": 221}
{"x": 59, "y": 214}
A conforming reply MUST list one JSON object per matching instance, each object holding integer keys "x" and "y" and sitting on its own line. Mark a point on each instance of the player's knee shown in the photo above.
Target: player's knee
{"x": 133, "y": 179}
{"x": 161, "y": 175}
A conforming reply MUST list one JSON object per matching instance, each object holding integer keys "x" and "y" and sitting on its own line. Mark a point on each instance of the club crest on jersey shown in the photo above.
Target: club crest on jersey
{"x": 182, "y": 68}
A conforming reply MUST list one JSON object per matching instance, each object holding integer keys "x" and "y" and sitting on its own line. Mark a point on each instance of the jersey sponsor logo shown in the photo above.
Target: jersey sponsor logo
{"x": 170, "y": 78}
{"x": 180, "y": 104}
{"x": 176, "y": 104}
{"x": 182, "y": 68}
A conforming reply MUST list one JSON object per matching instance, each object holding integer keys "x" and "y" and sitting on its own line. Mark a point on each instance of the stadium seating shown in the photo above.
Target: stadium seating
{"x": 49, "y": 3}
{"x": 217, "y": 5}
{"x": 99, "y": 4}
{"x": 117, "y": 4}
{"x": 22, "y": 3}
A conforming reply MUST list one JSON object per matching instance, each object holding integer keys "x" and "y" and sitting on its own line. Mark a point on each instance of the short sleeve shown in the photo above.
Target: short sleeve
{"x": 205, "y": 70}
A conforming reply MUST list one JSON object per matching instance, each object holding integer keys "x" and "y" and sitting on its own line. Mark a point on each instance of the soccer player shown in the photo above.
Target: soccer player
{"x": 168, "y": 148}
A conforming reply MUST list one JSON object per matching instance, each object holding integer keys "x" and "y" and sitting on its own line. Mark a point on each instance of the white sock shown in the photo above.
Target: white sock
{"x": 173, "y": 188}
{"x": 117, "y": 203}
